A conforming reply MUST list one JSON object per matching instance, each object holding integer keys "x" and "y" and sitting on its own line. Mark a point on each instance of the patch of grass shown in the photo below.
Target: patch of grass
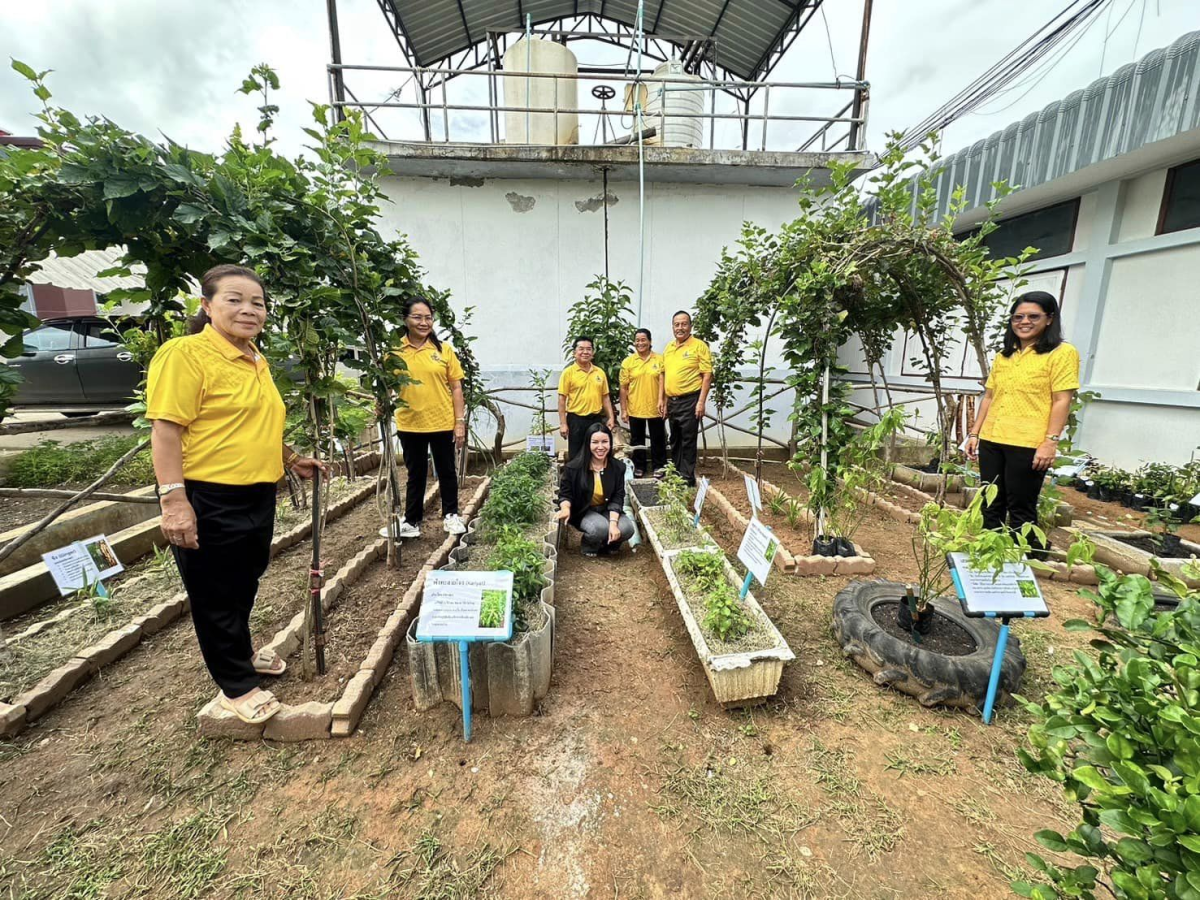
{"x": 975, "y": 811}
{"x": 865, "y": 816}
{"x": 80, "y": 857}
{"x": 52, "y": 463}
{"x": 433, "y": 874}
{"x": 185, "y": 855}
{"x": 917, "y": 762}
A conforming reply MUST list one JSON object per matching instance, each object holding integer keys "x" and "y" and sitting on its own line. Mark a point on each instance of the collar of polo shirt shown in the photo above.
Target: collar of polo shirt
{"x": 222, "y": 343}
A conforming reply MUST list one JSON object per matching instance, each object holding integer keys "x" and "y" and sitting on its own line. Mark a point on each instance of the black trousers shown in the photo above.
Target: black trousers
{"x": 577, "y": 427}
{"x": 658, "y": 442}
{"x": 417, "y": 446}
{"x": 234, "y": 524}
{"x": 685, "y": 428}
{"x": 1011, "y": 470}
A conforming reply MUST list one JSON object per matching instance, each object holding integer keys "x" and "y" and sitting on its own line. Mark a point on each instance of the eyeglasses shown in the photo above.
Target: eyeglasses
{"x": 421, "y": 318}
{"x": 1031, "y": 318}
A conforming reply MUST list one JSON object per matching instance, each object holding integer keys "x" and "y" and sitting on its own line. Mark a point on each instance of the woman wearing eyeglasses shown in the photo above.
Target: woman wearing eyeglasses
{"x": 1024, "y": 409}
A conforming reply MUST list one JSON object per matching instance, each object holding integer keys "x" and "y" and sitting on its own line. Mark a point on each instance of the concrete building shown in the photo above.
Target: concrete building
{"x": 1110, "y": 192}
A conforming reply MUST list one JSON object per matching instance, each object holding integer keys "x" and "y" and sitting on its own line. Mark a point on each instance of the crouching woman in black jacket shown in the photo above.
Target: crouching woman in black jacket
{"x": 591, "y": 495}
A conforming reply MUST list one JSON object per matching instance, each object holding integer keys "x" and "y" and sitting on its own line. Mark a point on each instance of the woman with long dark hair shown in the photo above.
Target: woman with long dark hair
{"x": 591, "y": 495}
{"x": 431, "y": 418}
{"x": 217, "y": 443}
{"x": 1024, "y": 409}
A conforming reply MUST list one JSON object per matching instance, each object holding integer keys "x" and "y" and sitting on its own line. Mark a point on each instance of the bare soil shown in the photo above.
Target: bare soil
{"x": 945, "y": 637}
{"x": 1166, "y": 546}
{"x": 630, "y": 782}
{"x": 1104, "y": 515}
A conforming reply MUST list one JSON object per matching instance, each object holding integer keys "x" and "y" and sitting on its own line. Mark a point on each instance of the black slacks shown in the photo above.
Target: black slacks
{"x": 685, "y": 428}
{"x": 658, "y": 442}
{"x": 577, "y": 427}
{"x": 1011, "y": 470}
{"x": 417, "y": 446}
{"x": 234, "y": 524}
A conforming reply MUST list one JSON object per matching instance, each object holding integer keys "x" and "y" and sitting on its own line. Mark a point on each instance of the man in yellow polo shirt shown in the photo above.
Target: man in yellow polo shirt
{"x": 583, "y": 397}
{"x": 687, "y": 376}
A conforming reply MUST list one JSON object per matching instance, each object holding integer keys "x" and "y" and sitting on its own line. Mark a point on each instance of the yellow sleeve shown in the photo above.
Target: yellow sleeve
{"x": 174, "y": 385}
{"x": 564, "y": 387}
{"x": 454, "y": 370}
{"x": 990, "y": 384}
{"x": 626, "y": 375}
{"x": 704, "y": 358}
{"x": 1064, "y": 369}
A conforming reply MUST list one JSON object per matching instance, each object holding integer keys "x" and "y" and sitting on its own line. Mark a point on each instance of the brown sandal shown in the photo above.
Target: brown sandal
{"x": 254, "y": 710}
{"x": 267, "y": 662}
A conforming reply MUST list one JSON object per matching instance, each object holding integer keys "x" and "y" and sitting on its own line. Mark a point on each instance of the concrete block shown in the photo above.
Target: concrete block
{"x": 378, "y": 658}
{"x": 162, "y": 615}
{"x": 12, "y": 719}
{"x": 285, "y": 643}
{"x": 855, "y": 565}
{"x": 1084, "y": 575}
{"x": 217, "y": 722}
{"x": 112, "y": 646}
{"x": 306, "y": 722}
{"x": 349, "y": 707}
{"x": 51, "y": 690}
{"x": 815, "y": 565}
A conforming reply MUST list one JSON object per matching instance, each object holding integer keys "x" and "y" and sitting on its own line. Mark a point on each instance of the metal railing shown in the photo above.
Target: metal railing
{"x": 754, "y": 101}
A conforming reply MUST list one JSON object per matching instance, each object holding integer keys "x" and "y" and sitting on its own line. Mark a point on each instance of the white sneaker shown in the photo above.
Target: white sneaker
{"x": 452, "y": 524}
{"x": 404, "y": 530}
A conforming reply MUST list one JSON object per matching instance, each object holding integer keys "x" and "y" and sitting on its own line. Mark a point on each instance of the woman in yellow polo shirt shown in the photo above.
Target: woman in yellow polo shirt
{"x": 431, "y": 419}
{"x": 1024, "y": 409}
{"x": 641, "y": 384}
{"x": 217, "y": 443}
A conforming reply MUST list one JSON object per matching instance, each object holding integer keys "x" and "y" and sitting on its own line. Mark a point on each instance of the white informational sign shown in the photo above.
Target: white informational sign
{"x": 543, "y": 442}
{"x": 701, "y": 493}
{"x": 1071, "y": 468}
{"x": 1195, "y": 501}
{"x": 471, "y": 606}
{"x": 752, "y": 493}
{"x": 757, "y": 551}
{"x": 1013, "y": 592}
{"x": 83, "y": 563}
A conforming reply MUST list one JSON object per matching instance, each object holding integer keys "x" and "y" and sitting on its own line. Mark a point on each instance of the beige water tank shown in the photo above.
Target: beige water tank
{"x": 538, "y": 55}
{"x": 672, "y": 109}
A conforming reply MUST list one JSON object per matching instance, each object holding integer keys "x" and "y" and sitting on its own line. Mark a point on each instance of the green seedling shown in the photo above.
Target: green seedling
{"x": 724, "y": 616}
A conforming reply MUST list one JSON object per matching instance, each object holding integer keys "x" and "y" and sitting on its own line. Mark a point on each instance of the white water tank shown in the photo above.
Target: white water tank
{"x": 538, "y": 55}
{"x": 671, "y": 108}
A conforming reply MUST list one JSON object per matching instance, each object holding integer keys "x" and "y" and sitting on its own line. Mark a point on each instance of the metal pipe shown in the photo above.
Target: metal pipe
{"x": 335, "y": 53}
{"x": 641, "y": 39}
{"x": 860, "y": 75}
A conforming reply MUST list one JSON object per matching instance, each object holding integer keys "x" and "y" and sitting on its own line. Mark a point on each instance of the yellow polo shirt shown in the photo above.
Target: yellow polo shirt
{"x": 230, "y": 409}
{"x": 684, "y": 364}
{"x": 1021, "y": 386}
{"x": 640, "y": 378}
{"x": 585, "y": 391}
{"x": 430, "y": 404}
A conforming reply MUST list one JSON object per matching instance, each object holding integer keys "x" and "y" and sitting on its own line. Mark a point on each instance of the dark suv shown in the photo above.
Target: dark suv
{"x": 75, "y": 365}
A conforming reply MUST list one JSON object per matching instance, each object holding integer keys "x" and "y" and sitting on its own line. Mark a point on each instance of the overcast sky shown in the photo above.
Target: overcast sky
{"x": 173, "y": 67}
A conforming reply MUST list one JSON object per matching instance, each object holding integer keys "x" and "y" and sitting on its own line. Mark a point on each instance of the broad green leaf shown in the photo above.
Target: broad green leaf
{"x": 24, "y": 69}
{"x": 1051, "y": 840}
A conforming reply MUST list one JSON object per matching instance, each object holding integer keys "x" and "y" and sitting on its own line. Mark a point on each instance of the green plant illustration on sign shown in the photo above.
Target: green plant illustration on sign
{"x": 491, "y": 610}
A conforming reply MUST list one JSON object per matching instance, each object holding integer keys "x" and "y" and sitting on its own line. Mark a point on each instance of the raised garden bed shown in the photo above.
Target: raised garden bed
{"x": 741, "y": 674}
{"x": 926, "y": 481}
{"x": 951, "y": 666}
{"x": 358, "y": 649}
{"x": 1131, "y": 551}
{"x": 508, "y": 678}
{"x": 66, "y": 642}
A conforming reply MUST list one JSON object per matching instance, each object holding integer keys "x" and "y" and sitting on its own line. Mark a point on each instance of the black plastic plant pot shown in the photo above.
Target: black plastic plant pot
{"x": 1124, "y": 496}
{"x": 1139, "y": 501}
{"x": 1104, "y": 494}
{"x": 845, "y": 546}
{"x": 1093, "y": 490}
{"x": 824, "y": 546}
{"x": 922, "y": 623}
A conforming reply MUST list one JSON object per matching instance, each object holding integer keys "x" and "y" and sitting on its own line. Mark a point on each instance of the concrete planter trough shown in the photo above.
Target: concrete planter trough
{"x": 926, "y": 481}
{"x": 736, "y": 679}
{"x": 1116, "y": 554}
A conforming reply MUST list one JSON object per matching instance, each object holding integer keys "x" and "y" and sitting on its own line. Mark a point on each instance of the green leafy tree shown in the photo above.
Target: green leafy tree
{"x": 605, "y": 314}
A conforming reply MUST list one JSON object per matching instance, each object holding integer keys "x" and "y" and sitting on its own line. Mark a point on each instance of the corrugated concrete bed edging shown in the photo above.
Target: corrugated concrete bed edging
{"x": 316, "y": 720}
{"x": 54, "y": 688}
{"x": 807, "y": 564}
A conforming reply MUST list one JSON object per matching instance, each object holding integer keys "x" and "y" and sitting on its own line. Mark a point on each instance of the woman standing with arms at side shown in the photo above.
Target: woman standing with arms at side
{"x": 1024, "y": 410}
{"x": 641, "y": 384}
{"x": 217, "y": 442}
{"x": 431, "y": 419}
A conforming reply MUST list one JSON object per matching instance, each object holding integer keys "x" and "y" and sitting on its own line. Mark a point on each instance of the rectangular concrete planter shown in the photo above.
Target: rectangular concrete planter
{"x": 1120, "y": 556}
{"x": 926, "y": 481}
{"x": 736, "y": 679}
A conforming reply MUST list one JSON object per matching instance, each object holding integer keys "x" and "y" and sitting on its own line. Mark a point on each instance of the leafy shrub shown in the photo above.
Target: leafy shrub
{"x": 676, "y": 496}
{"x": 724, "y": 614}
{"x": 517, "y": 554}
{"x": 515, "y": 496}
{"x": 1122, "y": 735}
{"x": 51, "y": 463}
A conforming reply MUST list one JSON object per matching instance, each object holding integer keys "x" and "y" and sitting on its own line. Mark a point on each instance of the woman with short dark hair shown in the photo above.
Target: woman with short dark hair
{"x": 591, "y": 495}
{"x": 1024, "y": 409}
{"x": 641, "y": 383}
{"x": 217, "y": 444}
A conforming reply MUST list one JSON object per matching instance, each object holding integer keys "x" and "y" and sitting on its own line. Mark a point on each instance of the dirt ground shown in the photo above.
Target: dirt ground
{"x": 630, "y": 782}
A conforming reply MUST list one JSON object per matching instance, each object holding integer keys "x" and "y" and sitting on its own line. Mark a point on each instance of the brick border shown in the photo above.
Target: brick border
{"x": 339, "y": 718}
{"x": 34, "y": 703}
{"x": 807, "y": 564}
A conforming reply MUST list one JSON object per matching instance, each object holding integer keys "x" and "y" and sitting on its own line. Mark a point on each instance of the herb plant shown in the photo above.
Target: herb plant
{"x": 675, "y": 496}
{"x": 516, "y": 553}
{"x": 724, "y": 616}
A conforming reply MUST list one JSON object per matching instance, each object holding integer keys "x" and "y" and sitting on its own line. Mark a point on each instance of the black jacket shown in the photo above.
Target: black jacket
{"x": 576, "y": 485}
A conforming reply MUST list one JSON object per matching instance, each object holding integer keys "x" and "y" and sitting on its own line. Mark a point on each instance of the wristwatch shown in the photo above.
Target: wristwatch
{"x": 164, "y": 489}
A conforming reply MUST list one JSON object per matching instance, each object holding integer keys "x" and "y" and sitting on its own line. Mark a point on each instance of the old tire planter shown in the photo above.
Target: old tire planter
{"x": 933, "y": 678}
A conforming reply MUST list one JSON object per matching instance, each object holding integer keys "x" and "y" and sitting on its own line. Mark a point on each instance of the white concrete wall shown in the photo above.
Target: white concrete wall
{"x": 522, "y": 251}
